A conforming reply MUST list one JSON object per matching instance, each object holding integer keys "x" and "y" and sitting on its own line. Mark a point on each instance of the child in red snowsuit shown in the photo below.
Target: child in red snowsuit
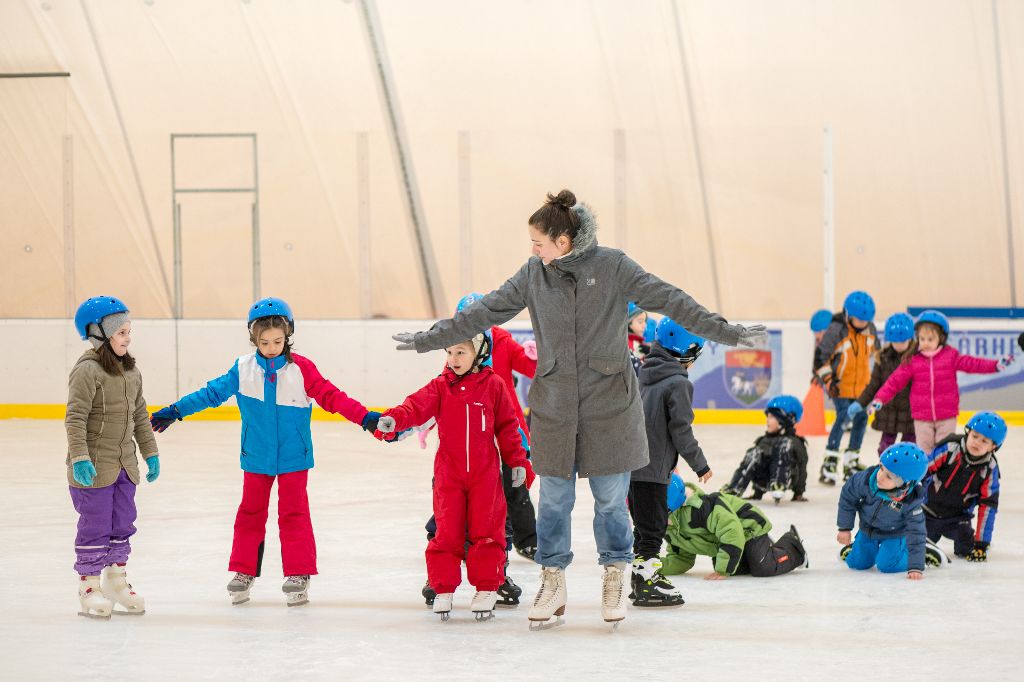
{"x": 476, "y": 421}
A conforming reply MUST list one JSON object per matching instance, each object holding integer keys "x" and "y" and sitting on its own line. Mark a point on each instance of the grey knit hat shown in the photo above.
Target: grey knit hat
{"x": 108, "y": 327}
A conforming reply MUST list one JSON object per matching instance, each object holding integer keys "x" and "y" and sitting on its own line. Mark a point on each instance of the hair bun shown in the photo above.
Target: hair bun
{"x": 565, "y": 199}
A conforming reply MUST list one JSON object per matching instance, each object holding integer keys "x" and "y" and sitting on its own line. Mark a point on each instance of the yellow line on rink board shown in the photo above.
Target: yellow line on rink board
{"x": 230, "y": 413}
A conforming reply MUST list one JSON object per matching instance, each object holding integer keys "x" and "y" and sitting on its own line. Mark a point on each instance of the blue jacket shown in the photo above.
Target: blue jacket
{"x": 879, "y": 519}
{"x": 275, "y": 399}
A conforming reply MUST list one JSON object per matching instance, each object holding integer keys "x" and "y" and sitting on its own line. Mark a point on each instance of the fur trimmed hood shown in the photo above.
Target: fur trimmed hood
{"x": 586, "y": 237}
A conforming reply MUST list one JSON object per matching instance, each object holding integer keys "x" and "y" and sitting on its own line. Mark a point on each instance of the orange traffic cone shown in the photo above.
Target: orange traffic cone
{"x": 813, "y": 421}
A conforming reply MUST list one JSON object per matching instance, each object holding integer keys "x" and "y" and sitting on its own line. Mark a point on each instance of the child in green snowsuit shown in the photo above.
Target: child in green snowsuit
{"x": 729, "y": 529}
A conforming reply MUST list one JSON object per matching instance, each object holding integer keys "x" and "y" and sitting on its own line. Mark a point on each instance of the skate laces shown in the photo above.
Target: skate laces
{"x": 548, "y": 586}
{"x": 244, "y": 578}
{"x": 297, "y": 579}
{"x": 612, "y": 587}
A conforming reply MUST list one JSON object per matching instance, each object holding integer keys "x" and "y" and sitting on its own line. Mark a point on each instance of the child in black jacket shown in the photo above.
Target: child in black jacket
{"x": 778, "y": 459}
{"x": 667, "y": 396}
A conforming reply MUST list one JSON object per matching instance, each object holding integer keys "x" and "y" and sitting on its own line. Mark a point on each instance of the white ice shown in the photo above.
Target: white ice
{"x": 366, "y": 618}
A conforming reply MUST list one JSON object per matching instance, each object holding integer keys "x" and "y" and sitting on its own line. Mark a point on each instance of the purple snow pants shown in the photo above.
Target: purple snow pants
{"x": 106, "y": 519}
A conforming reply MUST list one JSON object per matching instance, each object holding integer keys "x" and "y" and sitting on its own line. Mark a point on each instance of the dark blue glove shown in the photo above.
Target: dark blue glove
{"x": 83, "y": 472}
{"x": 370, "y": 421}
{"x": 161, "y": 419}
{"x": 154, "y": 468}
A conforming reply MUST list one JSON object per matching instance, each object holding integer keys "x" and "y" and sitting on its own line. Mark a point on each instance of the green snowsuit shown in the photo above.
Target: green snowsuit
{"x": 718, "y": 525}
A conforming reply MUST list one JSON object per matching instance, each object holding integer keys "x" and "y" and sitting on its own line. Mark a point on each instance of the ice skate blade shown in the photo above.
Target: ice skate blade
{"x": 445, "y": 615}
{"x": 298, "y": 600}
{"x": 483, "y": 616}
{"x": 660, "y": 605}
{"x": 129, "y": 613}
{"x": 615, "y": 624}
{"x": 239, "y": 599}
{"x": 538, "y": 625}
{"x": 94, "y": 616}
{"x": 501, "y": 605}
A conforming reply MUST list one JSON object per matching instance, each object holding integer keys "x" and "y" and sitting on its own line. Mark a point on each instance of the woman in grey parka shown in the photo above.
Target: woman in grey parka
{"x": 586, "y": 415}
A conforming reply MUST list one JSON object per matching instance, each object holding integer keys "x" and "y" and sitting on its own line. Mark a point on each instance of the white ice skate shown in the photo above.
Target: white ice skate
{"x": 91, "y": 599}
{"x": 443, "y": 605}
{"x": 935, "y": 557}
{"x": 829, "y": 468}
{"x": 483, "y": 605}
{"x": 238, "y": 588}
{"x": 550, "y": 600}
{"x": 613, "y": 594}
{"x": 296, "y": 589}
{"x": 851, "y": 463}
{"x": 116, "y": 589}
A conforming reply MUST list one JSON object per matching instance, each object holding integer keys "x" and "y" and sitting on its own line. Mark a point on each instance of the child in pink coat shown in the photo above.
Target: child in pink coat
{"x": 934, "y": 393}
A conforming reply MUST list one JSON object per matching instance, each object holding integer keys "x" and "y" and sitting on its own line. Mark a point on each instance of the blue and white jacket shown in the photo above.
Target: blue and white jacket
{"x": 881, "y": 518}
{"x": 275, "y": 398}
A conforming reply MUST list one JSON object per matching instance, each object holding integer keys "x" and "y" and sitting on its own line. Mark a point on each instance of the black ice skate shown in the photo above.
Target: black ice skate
{"x": 845, "y": 552}
{"x": 509, "y": 593}
{"x": 933, "y": 556}
{"x": 829, "y": 468}
{"x": 527, "y": 552}
{"x": 428, "y": 594}
{"x": 650, "y": 587}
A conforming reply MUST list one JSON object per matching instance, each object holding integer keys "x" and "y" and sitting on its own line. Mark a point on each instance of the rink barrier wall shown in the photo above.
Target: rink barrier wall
{"x": 701, "y": 416}
{"x": 177, "y": 357}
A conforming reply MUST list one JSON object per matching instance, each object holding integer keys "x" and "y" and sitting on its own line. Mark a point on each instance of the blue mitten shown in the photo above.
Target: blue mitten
{"x": 161, "y": 419}
{"x": 83, "y": 472}
{"x": 854, "y": 409}
{"x": 154, "y": 468}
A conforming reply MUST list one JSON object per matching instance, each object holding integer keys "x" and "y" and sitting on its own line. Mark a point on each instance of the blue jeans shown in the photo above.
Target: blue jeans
{"x": 889, "y": 555}
{"x": 613, "y": 530}
{"x": 860, "y": 423}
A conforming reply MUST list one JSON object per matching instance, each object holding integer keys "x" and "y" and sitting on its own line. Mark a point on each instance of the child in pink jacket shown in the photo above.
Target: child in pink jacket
{"x": 934, "y": 393}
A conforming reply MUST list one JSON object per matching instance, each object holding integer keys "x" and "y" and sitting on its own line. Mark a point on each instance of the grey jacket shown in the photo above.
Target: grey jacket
{"x": 667, "y": 396}
{"x": 106, "y": 416}
{"x": 584, "y": 400}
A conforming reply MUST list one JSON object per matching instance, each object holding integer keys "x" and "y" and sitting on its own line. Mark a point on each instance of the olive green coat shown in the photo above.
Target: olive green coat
{"x": 106, "y": 416}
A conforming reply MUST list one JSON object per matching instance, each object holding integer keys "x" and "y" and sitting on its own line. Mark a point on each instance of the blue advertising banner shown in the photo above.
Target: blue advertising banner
{"x": 723, "y": 376}
{"x": 1002, "y": 391}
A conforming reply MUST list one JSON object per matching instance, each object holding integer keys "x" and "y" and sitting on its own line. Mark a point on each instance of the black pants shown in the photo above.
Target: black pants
{"x": 763, "y": 558}
{"x": 520, "y": 518}
{"x": 648, "y": 505}
{"x": 956, "y": 528}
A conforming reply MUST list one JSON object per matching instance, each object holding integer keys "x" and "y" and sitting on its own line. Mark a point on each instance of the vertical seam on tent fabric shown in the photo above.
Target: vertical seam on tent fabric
{"x": 128, "y": 147}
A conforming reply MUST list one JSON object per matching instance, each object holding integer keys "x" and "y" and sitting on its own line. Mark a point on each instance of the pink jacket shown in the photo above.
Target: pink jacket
{"x": 934, "y": 394}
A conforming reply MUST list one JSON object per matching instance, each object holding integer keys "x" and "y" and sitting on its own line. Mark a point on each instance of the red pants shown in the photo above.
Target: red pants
{"x": 473, "y": 512}
{"x": 298, "y": 548}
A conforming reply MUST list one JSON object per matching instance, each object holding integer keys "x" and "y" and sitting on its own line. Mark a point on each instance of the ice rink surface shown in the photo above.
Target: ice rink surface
{"x": 366, "y": 619}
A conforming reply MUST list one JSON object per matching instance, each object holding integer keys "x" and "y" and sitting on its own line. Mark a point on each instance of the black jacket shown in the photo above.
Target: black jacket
{"x": 894, "y": 416}
{"x": 667, "y": 396}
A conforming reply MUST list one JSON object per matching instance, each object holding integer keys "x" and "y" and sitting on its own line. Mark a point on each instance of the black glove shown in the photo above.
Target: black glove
{"x": 161, "y": 419}
{"x": 370, "y": 421}
{"x": 979, "y": 553}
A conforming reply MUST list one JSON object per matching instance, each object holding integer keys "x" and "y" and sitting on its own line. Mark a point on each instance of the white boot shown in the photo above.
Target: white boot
{"x": 550, "y": 600}
{"x": 91, "y": 599}
{"x": 483, "y": 604}
{"x": 116, "y": 589}
{"x": 613, "y": 594}
{"x": 443, "y": 605}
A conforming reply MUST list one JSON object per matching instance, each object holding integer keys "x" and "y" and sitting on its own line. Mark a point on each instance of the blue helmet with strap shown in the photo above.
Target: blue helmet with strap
{"x": 933, "y": 317}
{"x": 821, "y": 320}
{"x": 676, "y": 492}
{"x": 786, "y": 405}
{"x": 465, "y": 302}
{"x": 93, "y": 310}
{"x": 899, "y": 328}
{"x": 905, "y": 460}
{"x": 990, "y": 425}
{"x": 675, "y": 338}
{"x": 269, "y": 307}
{"x": 859, "y": 304}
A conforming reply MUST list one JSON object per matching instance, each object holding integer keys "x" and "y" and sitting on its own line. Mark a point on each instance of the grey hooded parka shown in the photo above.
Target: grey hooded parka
{"x": 585, "y": 404}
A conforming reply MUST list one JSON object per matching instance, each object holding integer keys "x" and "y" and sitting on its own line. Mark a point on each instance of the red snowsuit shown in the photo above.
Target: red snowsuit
{"x": 472, "y": 412}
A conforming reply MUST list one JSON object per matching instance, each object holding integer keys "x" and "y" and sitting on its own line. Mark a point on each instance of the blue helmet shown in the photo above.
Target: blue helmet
{"x": 933, "y": 317}
{"x": 650, "y": 330}
{"x": 93, "y": 310}
{"x": 674, "y": 337}
{"x": 787, "y": 405}
{"x": 859, "y": 304}
{"x": 632, "y": 310}
{"x": 676, "y": 492}
{"x": 821, "y": 320}
{"x": 899, "y": 328}
{"x": 269, "y": 307}
{"x": 906, "y": 460}
{"x": 466, "y": 301}
{"x": 990, "y": 425}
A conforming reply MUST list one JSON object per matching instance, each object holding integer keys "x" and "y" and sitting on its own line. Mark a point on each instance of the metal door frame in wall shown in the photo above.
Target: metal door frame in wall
{"x": 176, "y": 210}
